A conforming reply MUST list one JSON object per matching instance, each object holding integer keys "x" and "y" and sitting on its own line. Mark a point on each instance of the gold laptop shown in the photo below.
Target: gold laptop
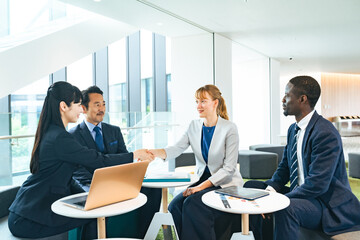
{"x": 110, "y": 185}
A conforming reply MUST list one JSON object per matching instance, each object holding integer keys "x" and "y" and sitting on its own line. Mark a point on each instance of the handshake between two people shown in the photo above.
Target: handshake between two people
{"x": 149, "y": 154}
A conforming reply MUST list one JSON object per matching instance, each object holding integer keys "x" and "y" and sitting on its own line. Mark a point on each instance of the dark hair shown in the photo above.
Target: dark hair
{"x": 50, "y": 114}
{"x": 86, "y": 92}
{"x": 306, "y": 85}
{"x": 214, "y": 93}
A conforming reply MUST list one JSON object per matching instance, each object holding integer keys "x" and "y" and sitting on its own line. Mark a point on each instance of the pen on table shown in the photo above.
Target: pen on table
{"x": 224, "y": 201}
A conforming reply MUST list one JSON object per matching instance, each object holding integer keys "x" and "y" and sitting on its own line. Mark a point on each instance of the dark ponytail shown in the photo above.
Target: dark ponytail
{"x": 50, "y": 114}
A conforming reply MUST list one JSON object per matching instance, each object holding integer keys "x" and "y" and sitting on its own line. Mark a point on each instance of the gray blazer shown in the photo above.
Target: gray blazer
{"x": 223, "y": 152}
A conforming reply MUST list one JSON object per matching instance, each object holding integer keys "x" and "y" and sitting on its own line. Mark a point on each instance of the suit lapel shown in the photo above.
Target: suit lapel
{"x": 86, "y": 135}
{"x": 214, "y": 137}
{"x": 199, "y": 140}
{"x": 106, "y": 132}
{"x": 309, "y": 128}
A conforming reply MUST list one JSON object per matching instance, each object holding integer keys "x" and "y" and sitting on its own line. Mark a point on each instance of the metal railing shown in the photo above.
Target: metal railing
{"x": 151, "y": 130}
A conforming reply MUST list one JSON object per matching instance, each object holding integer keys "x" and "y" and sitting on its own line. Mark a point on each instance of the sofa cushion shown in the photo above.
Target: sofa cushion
{"x": 7, "y": 196}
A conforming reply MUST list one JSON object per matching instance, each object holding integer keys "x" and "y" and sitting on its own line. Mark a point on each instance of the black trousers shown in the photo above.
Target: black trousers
{"x": 25, "y": 228}
{"x": 196, "y": 221}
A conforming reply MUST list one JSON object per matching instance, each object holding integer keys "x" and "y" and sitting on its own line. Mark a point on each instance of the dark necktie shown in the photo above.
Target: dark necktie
{"x": 294, "y": 162}
{"x": 99, "y": 139}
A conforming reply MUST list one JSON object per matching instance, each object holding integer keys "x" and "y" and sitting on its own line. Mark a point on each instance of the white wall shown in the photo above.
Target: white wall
{"x": 251, "y": 98}
{"x": 192, "y": 67}
{"x": 223, "y": 70}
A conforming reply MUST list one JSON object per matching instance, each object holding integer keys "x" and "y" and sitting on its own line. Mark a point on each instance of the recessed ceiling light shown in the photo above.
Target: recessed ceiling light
{"x": 159, "y": 24}
{"x": 97, "y": 0}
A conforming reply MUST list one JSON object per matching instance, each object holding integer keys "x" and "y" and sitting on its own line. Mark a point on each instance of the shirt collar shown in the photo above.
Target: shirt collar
{"x": 91, "y": 126}
{"x": 305, "y": 121}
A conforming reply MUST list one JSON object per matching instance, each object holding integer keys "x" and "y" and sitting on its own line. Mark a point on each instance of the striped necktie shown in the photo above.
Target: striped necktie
{"x": 294, "y": 162}
{"x": 99, "y": 139}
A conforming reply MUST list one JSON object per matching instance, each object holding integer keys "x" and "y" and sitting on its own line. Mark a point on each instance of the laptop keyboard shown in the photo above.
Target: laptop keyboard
{"x": 80, "y": 203}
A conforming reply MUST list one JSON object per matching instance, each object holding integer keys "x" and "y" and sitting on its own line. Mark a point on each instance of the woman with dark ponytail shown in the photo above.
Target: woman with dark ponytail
{"x": 54, "y": 157}
{"x": 215, "y": 143}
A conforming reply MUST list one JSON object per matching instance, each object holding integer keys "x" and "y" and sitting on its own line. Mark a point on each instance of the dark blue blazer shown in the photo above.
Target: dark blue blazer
{"x": 59, "y": 155}
{"x": 325, "y": 175}
{"x": 113, "y": 141}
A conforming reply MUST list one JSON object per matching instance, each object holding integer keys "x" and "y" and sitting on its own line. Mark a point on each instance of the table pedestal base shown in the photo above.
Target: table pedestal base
{"x": 158, "y": 220}
{"x": 240, "y": 236}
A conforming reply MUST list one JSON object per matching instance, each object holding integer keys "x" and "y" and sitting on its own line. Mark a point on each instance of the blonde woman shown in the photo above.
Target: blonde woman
{"x": 215, "y": 142}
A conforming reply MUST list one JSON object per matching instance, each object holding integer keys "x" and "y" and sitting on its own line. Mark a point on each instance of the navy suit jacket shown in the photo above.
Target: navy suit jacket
{"x": 325, "y": 175}
{"x": 59, "y": 155}
{"x": 113, "y": 141}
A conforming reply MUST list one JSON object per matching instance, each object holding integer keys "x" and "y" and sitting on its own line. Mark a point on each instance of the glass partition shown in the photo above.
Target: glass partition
{"x": 152, "y": 130}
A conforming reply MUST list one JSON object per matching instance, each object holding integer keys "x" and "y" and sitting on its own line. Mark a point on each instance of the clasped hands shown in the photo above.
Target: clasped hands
{"x": 143, "y": 155}
{"x": 149, "y": 154}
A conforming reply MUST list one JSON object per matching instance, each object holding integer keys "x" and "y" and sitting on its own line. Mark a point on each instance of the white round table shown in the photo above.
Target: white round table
{"x": 100, "y": 213}
{"x": 165, "y": 185}
{"x": 268, "y": 204}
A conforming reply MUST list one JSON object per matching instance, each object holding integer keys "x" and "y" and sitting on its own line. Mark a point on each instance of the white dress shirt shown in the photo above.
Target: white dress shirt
{"x": 302, "y": 125}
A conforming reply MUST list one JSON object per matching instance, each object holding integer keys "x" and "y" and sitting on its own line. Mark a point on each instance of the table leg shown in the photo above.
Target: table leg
{"x": 101, "y": 227}
{"x": 165, "y": 200}
{"x": 245, "y": 233}
{"x": 245, "y": 224}
{"x": 166, "y": 231}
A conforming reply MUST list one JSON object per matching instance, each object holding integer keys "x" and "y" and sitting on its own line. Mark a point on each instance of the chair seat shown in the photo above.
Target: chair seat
{"x": 306, "y": 234}
{"x": 354, "y": 165}
{"x": 257, "y": 164}
{"x": 278, "y": 149}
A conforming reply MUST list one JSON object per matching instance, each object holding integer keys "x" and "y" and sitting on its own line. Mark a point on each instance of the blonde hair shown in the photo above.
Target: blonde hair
{"x": 214, "y": 93}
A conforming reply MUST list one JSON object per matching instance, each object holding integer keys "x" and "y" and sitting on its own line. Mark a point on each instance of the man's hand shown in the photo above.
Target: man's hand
{"x": 143, "y": 155}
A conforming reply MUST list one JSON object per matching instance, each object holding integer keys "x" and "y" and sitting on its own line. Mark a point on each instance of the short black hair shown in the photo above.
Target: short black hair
{"x": 306, "y": 85}
{"x": 86, "y": 92}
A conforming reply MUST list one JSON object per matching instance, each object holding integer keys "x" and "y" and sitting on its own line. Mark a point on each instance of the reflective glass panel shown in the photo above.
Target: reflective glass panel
{"x": 147, "y": 80}
{"x": 117, "y": 77}
{"x": 26, "y": 106}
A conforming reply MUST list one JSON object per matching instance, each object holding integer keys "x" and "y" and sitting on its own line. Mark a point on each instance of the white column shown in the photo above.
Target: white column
{"x": 275, "y": 101}
{"x": 192, "y": 67}
{"x": 251, "y": 96}
{"x": 223, "y": 69}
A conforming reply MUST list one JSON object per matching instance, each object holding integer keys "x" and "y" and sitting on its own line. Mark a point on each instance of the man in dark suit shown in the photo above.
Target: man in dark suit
{"x": 313, "y": 162}
{"x": 108, "y": 139}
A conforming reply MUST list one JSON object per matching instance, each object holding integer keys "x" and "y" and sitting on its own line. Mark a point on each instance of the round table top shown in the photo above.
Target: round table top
{"x": 60, "y": 208}
{"x": 193, "y": 179}
{"x": 271, "y": 203}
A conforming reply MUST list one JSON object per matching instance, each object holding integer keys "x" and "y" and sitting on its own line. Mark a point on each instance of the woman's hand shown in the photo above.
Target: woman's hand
{"x": 191, "y": 190}
{"x": 202, "y": 186}
{"x": 160, "y": 153}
